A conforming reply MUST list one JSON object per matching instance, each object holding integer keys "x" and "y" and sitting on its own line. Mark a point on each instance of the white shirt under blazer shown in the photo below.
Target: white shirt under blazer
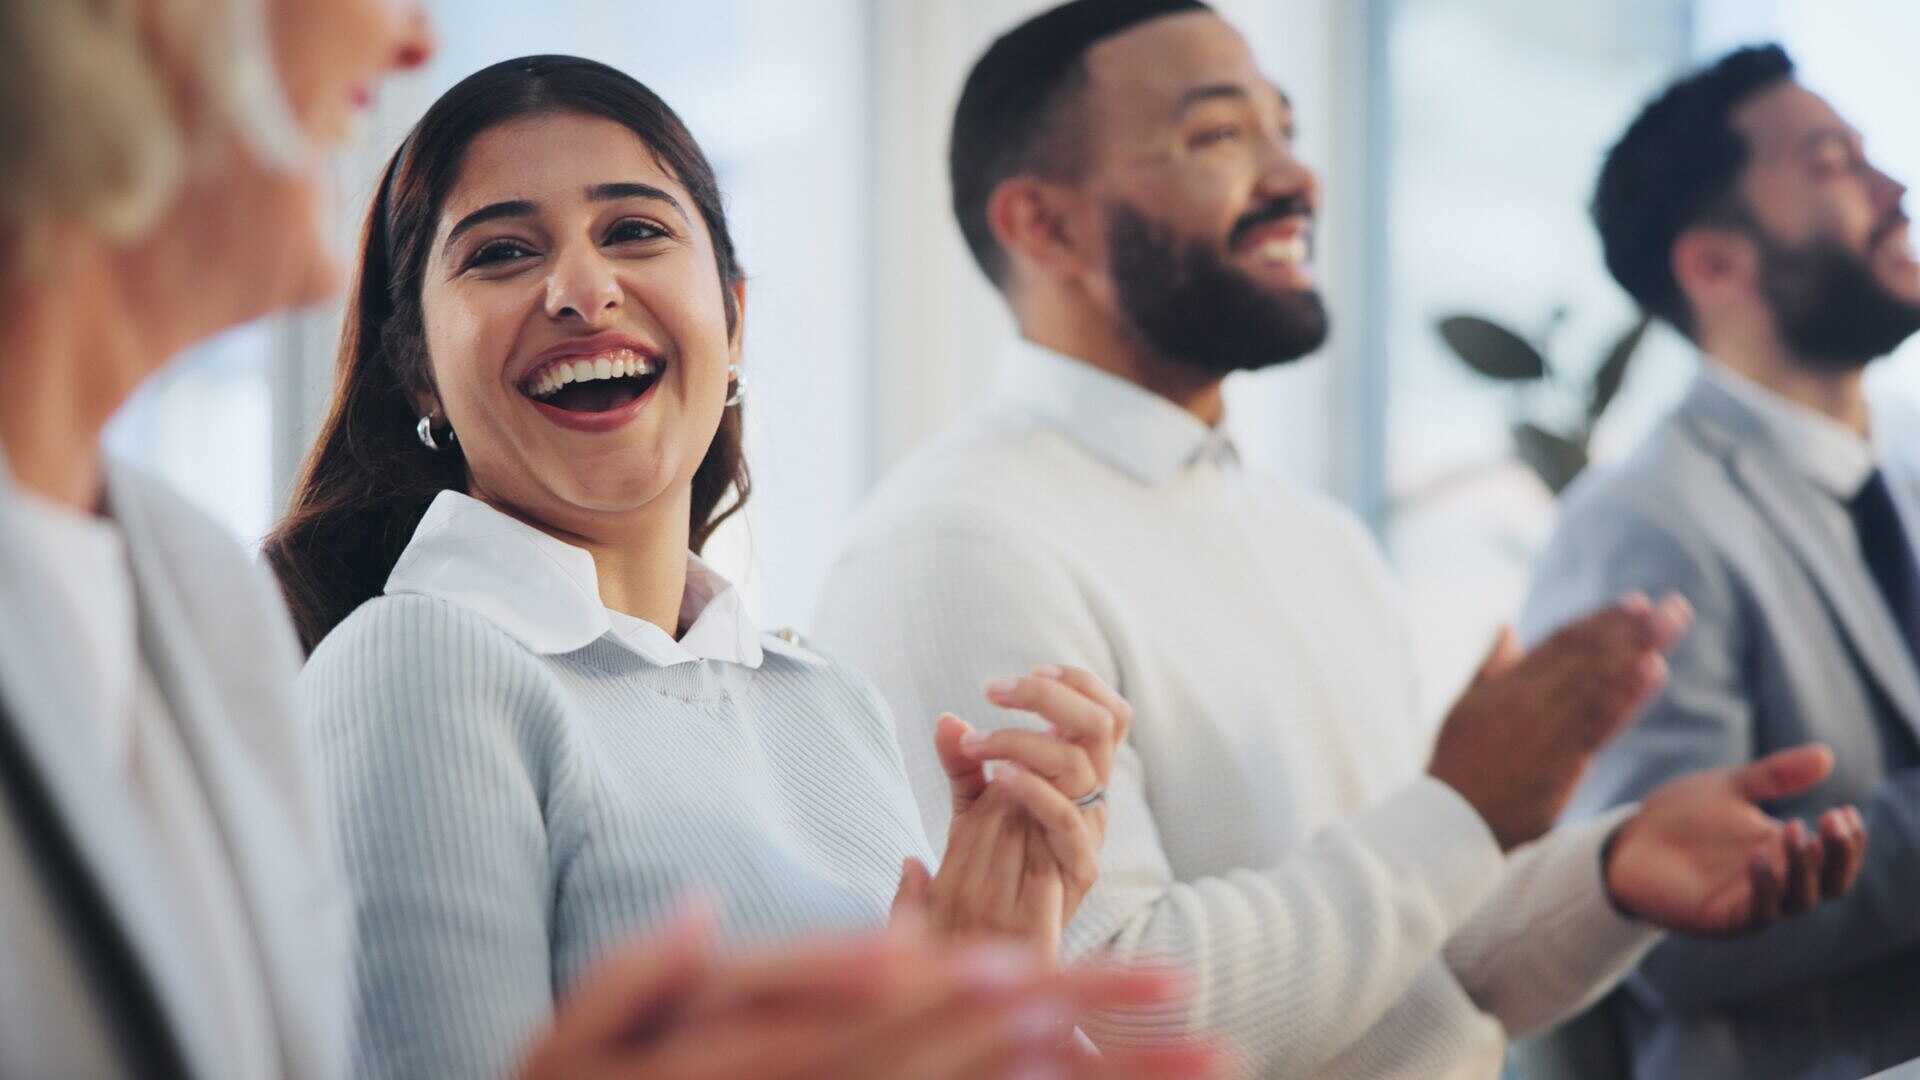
{"x": 169, "y": 904}
{"x": 1272, "y": 825}
{"x": 524, "y": 779}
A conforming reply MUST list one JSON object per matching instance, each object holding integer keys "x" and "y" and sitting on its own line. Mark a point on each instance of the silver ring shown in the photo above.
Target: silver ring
{"x": 1096, "y": 797}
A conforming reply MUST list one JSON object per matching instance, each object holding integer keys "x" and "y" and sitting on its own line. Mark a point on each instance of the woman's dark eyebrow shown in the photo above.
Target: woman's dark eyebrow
{"x": 513, "y": 208}
{"x": 613, "y": 192}
{"x": 520, "y": 208}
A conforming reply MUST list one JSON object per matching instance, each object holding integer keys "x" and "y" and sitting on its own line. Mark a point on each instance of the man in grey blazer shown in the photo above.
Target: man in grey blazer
{"x": 1741, "y": 209}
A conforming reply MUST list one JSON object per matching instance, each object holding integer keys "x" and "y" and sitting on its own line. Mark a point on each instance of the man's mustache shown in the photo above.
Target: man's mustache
{"x": 1277, "y": 210}
{"x": 1894, "y": 218}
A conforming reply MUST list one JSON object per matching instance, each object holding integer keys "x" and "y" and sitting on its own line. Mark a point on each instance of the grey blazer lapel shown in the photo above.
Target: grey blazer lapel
{"x": 134, "y": 1035}
{"x": 238, "y": 753}
{"x": 1788, "y": 502}
{"x": 45, "y": 701}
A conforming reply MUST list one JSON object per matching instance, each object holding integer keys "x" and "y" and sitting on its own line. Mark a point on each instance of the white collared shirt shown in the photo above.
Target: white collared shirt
{"x": 86, "y": 562}
{"x": 527, "y": 780}
{"x": 545, "y": 592}
{"x": 1825, "y": 452}
{"x": 1132, "y": 428}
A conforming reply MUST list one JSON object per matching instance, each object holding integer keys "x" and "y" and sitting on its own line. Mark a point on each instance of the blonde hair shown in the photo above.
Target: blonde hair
{"x": 92, "y": 115}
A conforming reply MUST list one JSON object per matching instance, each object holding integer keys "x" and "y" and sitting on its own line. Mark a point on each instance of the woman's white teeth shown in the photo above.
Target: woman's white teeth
{"x": 615, "y": 365}
{"x": 1291, "y": 251}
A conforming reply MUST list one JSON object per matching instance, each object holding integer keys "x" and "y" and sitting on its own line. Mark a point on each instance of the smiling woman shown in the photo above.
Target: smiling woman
{"x": 576, "y": 275}
{"x": 543, "y": 718}
{"x": 369, "y": 479}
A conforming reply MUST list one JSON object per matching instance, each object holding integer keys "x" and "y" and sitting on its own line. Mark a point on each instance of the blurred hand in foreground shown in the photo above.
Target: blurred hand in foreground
{"x": 890, "y": 1006}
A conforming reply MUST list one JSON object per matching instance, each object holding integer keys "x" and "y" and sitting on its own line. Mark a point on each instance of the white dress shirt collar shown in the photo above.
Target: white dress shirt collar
{"x": 1828, "y": 454}
{"x": 1129, "y": 426}
{"x": 85, "y": 558}
{"x": 545, "y": 593}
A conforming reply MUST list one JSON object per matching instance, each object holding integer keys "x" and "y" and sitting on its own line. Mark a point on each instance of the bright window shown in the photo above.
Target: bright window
{"x": 1499, "y": 112}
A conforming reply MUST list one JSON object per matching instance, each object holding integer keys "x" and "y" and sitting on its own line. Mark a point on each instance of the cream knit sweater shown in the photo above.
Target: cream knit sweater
{"x": 1272, "y": 826}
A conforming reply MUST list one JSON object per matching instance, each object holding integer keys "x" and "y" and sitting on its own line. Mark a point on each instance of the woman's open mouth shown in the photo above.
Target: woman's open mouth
{"x": 594, "y": 384}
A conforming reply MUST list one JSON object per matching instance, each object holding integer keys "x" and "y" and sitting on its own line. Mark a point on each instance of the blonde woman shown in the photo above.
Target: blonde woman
{"x": 165, "y": 902}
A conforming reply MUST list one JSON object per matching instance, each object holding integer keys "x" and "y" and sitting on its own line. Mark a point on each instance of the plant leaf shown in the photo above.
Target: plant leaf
{"x": 1555, "y": 459}
{"x": 1492, "y": 349}
{"x": 1613, "y": 370}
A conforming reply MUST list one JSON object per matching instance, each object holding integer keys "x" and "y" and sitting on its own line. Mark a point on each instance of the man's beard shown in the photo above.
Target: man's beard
{"x": 1196, "y": 308}
{"x": 1830, "y": 308}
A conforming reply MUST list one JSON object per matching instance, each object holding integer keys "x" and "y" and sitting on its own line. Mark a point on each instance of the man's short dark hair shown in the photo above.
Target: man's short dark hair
{"x": 1013, "y": 116}
{"x": 1678, "y": 166}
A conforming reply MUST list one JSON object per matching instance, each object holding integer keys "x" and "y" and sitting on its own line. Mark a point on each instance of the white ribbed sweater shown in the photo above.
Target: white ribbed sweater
{"x": 1272, "y": 826}
{"x": 507, "y": 817}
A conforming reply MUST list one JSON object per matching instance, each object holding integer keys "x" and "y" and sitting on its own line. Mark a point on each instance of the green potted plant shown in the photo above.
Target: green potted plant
{"x": 1555, "y": 450}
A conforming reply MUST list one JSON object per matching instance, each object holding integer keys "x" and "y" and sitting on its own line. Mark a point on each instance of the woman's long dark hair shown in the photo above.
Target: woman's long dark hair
{"x": 369, "y": 479}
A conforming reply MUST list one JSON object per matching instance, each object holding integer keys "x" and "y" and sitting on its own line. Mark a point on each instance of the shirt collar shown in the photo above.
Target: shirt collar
{"x": 544, "y": 592}
{"x": 85, "y": 559}
{"x": 1827, "y": 453}
{"x": 718, "y": 627}
{"x": 1129, "y": 426}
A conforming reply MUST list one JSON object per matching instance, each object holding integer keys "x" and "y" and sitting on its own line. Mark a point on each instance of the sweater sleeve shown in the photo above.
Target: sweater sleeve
{"x": 429, "y": 724}
{"x": 1548, "y": 943}
{"x": 1294, "y": 962}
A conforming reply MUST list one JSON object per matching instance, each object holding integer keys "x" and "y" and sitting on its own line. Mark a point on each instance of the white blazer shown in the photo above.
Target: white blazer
{"x": 75, "y": 991}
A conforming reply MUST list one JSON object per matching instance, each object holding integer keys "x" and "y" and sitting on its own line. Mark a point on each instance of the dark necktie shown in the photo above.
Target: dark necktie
{"x": 1890, "y": 558}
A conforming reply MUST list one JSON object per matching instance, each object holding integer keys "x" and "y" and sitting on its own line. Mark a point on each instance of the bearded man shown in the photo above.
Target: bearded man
{"x": 1743, "y": 210}
{"x": 1353, "y": 898}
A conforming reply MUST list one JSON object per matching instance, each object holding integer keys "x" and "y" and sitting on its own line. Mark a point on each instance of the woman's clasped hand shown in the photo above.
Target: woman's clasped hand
{"x": 1029, "y": 810}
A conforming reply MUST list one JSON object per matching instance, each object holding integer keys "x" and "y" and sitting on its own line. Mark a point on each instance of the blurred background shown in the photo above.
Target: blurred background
{"x": 1457, "y": 142}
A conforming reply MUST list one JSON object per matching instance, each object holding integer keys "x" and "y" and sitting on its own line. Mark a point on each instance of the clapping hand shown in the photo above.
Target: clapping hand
{"x": 1521, "y": 737}
{"x": 1021, "y": 851}
{"x": 1702, "y": 858}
